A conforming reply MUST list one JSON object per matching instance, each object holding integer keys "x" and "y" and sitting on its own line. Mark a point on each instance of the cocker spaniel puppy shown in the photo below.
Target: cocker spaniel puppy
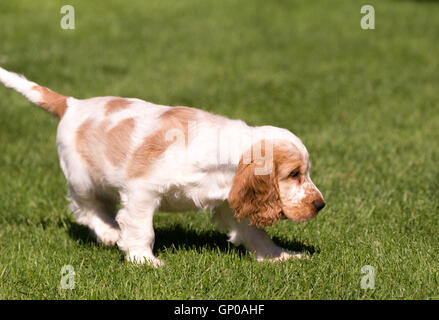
{"x": 149, "y": 157}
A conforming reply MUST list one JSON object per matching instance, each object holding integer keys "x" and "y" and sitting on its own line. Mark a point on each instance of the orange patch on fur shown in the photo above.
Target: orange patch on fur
{"x": 52, "y": 101}
{"x": 117, "y": 141}
{"x": 178, "y": 118}
{"x": 115, "y": 105}
{"x": 87, "y": 143}
{"x": 92, "y": 142}
{"x": 151, "y": 149}
{"x": 174, "y": 124}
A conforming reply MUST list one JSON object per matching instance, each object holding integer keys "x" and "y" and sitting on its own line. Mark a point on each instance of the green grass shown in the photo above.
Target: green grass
{"x": 365, "y": 103}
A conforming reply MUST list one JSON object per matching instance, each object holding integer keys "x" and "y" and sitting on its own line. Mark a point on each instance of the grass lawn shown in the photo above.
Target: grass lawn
{"x": 365, "y": 103}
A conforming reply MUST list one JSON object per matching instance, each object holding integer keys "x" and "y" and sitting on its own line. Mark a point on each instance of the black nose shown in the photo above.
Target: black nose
{"x": 319, "y": 205}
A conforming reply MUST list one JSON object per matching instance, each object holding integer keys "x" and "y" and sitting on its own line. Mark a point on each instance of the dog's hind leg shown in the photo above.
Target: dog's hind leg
{"x": 97, "y": 213}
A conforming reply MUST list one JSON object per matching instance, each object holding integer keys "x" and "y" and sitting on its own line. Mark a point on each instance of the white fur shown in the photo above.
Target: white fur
{"x": 20, "y": 84}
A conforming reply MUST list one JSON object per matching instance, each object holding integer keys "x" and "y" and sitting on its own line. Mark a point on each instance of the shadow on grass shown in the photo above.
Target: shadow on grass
{"x": 81, "y": 234}
{"x": 178, "y": 237}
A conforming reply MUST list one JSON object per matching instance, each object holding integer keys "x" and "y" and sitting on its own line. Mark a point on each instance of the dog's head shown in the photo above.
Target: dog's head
{"x": 272, "y": 182}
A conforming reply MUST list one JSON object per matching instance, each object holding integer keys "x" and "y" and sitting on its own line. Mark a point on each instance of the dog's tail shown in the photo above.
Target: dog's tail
{"x": 44, "y": 97}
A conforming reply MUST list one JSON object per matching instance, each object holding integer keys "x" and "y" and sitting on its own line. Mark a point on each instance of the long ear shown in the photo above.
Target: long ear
{"x": 255, "y": 196}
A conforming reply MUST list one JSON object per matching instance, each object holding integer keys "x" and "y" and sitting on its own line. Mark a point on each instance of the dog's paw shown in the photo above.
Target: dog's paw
{"x": 281, "y": 256}
{"x": 108, "y": 237}
{"x": 141, "y": 258}
{"x": 286, "y": 255}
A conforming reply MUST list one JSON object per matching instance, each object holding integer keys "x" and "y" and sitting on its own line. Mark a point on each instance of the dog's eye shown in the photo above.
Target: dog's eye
{"x": 295, "y": 174}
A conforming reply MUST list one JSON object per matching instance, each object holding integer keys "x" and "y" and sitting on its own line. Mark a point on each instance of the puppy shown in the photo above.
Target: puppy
{"x": 147, "y": 157}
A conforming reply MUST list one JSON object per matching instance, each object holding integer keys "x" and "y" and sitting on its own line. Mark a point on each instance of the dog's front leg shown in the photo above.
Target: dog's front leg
{"x": 136, "y": 229}
{"x": 253, "y": 239}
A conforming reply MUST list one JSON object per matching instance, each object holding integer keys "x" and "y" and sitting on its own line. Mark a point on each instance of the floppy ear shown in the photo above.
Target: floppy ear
{"x": 255, "y": 196}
